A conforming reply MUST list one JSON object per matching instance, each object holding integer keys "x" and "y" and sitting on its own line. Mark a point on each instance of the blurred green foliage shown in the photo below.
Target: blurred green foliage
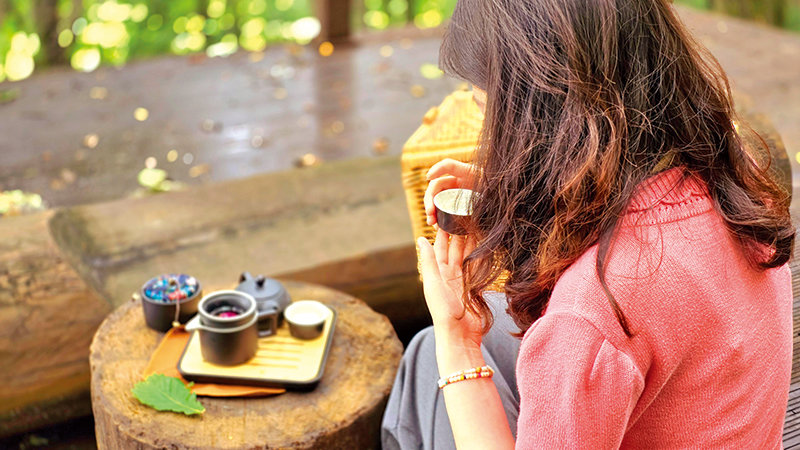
{"x": 88, "y": 33}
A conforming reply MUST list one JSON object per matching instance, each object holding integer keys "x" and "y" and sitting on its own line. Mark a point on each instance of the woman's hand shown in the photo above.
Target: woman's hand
{"x": 446, "y": 174}
{"x": 453, "y": 324}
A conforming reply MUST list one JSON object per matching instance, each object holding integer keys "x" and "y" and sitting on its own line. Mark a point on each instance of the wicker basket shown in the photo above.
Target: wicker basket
{"x": 450, "y": 130}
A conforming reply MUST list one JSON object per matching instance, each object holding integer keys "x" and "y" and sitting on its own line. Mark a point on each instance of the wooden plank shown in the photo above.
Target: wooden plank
{"x": 791, "y": 429}
{"x": 344, "y": 224}
{"x": 792, "y": 442}
{"x": 792, "y": 422}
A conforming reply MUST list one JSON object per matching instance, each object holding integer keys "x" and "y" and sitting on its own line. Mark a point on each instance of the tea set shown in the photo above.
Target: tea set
{"x": 229, "y": 322}
{"x": 235, "y": 331}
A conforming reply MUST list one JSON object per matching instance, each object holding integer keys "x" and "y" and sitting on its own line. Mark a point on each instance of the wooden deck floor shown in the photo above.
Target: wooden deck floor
{"x": 73, "y": 137}
{"x": 791, "y": 429}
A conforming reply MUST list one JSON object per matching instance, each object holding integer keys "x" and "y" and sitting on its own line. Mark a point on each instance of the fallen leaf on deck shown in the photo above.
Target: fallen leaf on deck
{"x": 56, "y": 184}
{"x": 430, "y": 71}
{"x": 380, "y": 146}
{"x": 210, "y": 125}
{"x": 141, "y": 114}
{"x": 98, "y": 93}
{"x": 198, "y": 170}
{"x": 256, "y": 141}
{"x": 68, "y": 176}
{"x": 152, "y": 178}
{"x": 91, "y": 140}
{"x": 280, "y": 93}
{"x": 307, "y": 160}
{"x": 18, "y": 202}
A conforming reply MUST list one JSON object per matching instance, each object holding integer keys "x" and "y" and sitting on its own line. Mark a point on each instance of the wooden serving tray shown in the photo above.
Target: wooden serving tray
{"x": 281, "y": 361}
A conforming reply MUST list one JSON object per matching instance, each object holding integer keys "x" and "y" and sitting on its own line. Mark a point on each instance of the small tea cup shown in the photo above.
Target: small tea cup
{"x": 454, "y": 210}
{"x": 306, "y": 318}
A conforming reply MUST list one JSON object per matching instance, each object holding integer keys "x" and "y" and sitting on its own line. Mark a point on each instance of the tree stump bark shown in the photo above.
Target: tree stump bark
{"x": 344, "y": 411}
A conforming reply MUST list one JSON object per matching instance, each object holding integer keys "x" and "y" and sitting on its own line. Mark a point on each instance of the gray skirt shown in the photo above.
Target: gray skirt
{"x": 415, "y": 416}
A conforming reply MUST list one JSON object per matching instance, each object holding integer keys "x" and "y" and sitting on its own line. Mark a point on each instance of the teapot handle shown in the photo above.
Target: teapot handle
{"x": 270, "y": 315}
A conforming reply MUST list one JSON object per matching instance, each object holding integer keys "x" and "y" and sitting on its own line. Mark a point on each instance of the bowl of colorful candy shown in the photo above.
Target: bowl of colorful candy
{"x": 170, "y": 299}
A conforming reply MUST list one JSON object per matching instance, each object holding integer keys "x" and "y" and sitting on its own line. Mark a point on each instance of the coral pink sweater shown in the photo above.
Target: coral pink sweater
{"x": 711, "y": 361}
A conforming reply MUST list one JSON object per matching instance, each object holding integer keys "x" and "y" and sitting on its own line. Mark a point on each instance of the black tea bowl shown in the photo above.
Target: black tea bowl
{"x": 454, "y": 210}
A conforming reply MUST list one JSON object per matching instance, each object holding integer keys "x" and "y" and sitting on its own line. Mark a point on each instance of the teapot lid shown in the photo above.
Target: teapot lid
{"x": 262, "y": 288}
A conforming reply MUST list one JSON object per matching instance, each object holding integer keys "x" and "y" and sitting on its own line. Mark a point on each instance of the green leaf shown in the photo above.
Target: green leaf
{"x": 167, "y": 394}
{"x": 152, "y": 178}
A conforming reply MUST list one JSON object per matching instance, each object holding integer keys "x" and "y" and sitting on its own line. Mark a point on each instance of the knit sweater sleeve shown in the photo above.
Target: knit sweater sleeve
{"x": 576, "y": 389}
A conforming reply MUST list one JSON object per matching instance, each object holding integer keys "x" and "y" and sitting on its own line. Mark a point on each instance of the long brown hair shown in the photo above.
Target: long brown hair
{"x": 583, "y": 100}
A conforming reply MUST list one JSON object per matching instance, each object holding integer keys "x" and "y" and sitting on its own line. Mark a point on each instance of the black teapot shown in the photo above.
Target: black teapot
{"x": 271, "y": 300}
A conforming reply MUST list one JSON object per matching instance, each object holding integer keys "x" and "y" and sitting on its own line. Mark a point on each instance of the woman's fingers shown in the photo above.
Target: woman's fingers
{"x": 434, "y": 187}
{"x": 452, "y": 167}
{"x": 456, "y": 252}
{"x": 430, "y": 269}
{"x": 440, "y": 247}
{"x": 446, "y": 174}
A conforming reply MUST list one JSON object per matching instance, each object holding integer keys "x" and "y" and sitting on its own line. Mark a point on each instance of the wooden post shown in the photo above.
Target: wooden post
{"x": 334, "y": 16}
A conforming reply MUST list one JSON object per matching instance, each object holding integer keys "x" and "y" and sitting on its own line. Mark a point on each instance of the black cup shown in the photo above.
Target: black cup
{"x": 454, "y": 210}
{"x": 228, "y": 327}
{"x": 159, "y": 315}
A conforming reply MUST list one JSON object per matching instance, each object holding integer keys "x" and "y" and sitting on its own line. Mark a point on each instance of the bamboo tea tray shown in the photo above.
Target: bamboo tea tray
{"x": 281, "y": 361}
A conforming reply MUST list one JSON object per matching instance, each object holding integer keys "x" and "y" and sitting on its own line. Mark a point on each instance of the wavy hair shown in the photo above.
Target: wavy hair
{"x": 583, "y": 101}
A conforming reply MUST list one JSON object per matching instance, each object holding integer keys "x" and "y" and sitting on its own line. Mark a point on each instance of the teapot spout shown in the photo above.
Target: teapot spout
{"x": 194, "y": 324}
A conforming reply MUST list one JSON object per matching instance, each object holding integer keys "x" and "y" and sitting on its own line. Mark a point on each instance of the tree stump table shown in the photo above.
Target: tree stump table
{"x": 344, "y": 411}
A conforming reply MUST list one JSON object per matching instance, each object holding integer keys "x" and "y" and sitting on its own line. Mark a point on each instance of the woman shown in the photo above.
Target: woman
{"x": 645, "y": 248}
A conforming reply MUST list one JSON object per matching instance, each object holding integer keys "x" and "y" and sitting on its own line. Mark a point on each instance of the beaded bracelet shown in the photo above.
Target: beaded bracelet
{"x": 468, "y": 374}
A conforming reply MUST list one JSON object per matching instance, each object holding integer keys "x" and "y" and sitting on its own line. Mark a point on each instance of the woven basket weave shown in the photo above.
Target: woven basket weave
{"x": 450, "y": 130}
